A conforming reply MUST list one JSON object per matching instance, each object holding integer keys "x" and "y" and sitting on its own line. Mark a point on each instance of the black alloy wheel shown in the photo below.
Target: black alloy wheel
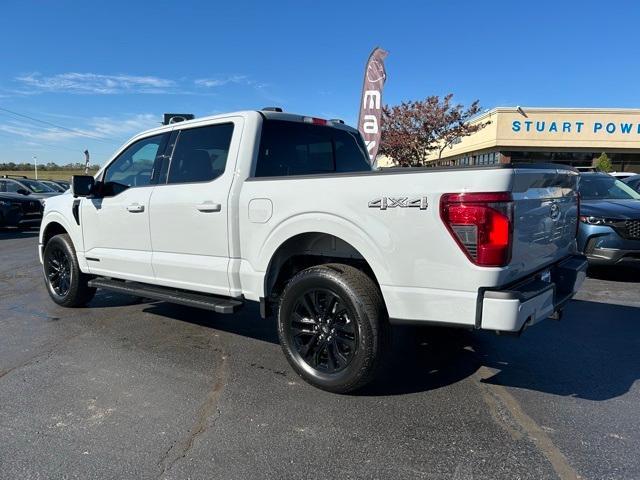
{"x": 333, "y": 327}
{"x": 66, "y": 284}
{"x": 322, "y": 332}
{"x": 58, "y": 271}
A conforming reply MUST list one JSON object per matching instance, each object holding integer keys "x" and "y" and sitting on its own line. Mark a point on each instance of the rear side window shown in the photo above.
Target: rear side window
{"x": 200, "y": 154}
{"x": 293, "y": 148}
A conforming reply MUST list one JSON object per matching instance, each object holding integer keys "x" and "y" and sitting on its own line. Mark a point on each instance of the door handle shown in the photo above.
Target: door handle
{"x": 135, "y": 208}
{"x": 209, "y": 207}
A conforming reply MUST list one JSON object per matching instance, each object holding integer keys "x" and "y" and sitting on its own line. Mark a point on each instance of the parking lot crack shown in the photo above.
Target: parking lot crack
{"x": 40, "y": 357}
{"x": 206, "y": 416}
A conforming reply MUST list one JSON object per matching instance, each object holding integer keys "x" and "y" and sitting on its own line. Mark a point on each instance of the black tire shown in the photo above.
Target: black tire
{"x": 66, "y": 284}
{"x": 333, "y": 327}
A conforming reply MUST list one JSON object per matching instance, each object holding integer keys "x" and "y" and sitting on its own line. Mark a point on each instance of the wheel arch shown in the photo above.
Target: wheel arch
{"x": 55, "y": 223}
{"x": 307, "y": 249}
{"x": 52, "y": 229}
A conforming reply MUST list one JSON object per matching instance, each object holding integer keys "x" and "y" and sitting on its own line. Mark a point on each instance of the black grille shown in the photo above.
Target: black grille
{"x": 32, "y": 206}
{"x": 633, "y": 229}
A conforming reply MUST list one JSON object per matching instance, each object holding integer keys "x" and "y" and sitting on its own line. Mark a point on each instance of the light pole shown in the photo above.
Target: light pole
{"x": 35, "y": 162}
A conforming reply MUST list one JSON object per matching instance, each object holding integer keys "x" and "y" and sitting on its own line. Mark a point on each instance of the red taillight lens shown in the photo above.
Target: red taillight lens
{"x": 481, "y": 224}
{"x": 315, "y": 121}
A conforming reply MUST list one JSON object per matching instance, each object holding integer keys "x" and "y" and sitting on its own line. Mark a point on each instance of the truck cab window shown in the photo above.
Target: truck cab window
{"x": 294, "y": 148}
{"x": 200, "y": 154}
{"x": 133, "y": 167}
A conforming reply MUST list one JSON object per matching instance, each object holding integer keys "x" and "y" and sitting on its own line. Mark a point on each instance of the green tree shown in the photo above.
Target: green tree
{"x": 603, "y": 163}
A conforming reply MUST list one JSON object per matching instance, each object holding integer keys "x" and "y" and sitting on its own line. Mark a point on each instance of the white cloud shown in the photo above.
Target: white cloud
{"x": 93, "y": 83}
{"x": 220, "y": 81}
{"x": 231, "y": 79}
{"x": 110, "y": 129}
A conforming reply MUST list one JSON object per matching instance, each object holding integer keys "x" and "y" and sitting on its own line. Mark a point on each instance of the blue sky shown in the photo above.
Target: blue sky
{"x": 106, "y": 70}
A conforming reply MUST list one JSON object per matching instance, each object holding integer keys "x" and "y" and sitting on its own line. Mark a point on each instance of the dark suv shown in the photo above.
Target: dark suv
{"x": 26, "y": 186}
{"x": 19, "y": 211}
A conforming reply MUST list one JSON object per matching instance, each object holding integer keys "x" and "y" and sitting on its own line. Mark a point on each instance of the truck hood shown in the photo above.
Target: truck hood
{"x": 620, "y": 209}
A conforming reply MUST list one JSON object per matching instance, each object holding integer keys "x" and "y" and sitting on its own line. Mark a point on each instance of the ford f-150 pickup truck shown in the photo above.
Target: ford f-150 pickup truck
{"x": 285, "y": 210}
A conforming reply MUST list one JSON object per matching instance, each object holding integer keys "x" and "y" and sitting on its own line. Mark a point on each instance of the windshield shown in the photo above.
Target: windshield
{"x": 604, "y": 187}
{"x": 37, "y": 187}
{"x": 53, "y": 186}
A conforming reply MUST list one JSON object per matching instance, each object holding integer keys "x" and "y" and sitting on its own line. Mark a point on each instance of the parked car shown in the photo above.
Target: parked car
{"x": 63, "y": 183}
{"x": 26, "y": 186}
{"x": 55, "y": 186}
{"x": 633, "y": 182}
{"x": 609, "y": 232}
{"x": 622, "y": 175}
{"x": 19, "y": 211}
{"x": 285, "y": 210}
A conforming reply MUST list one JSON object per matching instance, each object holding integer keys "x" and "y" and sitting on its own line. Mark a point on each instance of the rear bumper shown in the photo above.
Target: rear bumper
{"x": 529, "y": 301}
{"x": 614, "y": 256}
{"x": 604, "y": 246}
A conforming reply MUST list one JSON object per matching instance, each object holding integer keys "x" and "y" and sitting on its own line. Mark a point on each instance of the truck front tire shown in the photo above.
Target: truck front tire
{"x": 66, "y": 284}
{"x": 333, "y": 327}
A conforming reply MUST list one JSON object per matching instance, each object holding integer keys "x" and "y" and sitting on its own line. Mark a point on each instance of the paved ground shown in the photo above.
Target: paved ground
{"x": 135, "y": 390}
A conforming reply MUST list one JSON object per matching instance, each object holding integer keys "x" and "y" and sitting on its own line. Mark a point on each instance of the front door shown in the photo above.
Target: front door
{"x": 115, "y": 224}
{"x": 189, "y": 211}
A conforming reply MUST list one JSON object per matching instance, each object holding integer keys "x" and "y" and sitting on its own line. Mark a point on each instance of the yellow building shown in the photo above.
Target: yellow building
{"x": 574, "y": 136}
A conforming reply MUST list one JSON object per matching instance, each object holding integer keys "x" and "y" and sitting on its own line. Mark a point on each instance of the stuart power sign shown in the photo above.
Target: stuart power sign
{"x": 575, "y": 127}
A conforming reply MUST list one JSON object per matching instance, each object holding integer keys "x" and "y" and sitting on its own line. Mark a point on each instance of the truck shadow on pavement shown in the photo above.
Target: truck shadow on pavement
{"x": 591, "y": 354}
{"x": 14, "y": 233}
{"x": 615, "y": 274}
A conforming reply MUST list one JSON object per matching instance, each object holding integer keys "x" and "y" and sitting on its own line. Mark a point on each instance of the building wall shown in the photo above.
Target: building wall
{"x": 552, "y": 129}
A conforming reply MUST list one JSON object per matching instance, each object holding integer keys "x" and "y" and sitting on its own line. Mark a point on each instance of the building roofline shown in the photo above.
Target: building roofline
{"x": 506, "y": 109}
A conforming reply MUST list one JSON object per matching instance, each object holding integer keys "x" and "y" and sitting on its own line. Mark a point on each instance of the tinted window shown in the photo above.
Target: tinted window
{"x": 6, "y": 186}
{"x": 634, "y": 182}
{"x": 293, "y": 148}
{"x": 134, "y": 166}
{"x": 37, "y": 187}
{"x": 200, "y": 154}
{"x": 600, "y": 187}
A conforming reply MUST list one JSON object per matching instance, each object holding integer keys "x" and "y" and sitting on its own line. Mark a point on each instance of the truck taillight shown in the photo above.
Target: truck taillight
{"x": 315, "y": 121}
{"x": 481, "y": 224}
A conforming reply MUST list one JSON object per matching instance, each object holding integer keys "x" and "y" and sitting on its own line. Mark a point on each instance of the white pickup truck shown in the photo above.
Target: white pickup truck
{"x": 285, "y": 210}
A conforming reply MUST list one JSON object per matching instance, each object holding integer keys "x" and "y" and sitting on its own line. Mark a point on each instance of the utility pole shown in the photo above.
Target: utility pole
{"x": 35, "y": 162}
{"x": 86, "y": 162}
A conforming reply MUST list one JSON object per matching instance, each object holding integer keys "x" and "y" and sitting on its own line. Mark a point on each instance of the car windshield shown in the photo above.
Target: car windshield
{"x": 605, "y": 187}
{"x": 53, "y": 186}
{"x": 37, "y": 187}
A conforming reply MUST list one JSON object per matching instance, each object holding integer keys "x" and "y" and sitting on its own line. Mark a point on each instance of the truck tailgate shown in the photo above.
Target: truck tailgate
{"x": 545, "y": 217}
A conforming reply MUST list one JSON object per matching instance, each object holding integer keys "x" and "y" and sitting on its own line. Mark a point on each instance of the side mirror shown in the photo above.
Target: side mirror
{"x": 82, "y": 185}
{"x": 23, "y": 191}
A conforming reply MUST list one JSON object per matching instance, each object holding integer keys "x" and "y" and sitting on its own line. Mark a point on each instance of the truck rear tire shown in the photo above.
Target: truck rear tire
{"x": 66, "y": 284}
{"x": 333, "y": 327}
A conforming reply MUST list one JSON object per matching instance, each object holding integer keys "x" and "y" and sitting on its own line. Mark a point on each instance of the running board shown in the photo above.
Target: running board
{"x": 172, "y": 295}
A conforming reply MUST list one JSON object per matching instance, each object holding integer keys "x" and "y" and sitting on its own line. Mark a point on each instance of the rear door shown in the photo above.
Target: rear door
{"x": 115, "y": 224}
{"x": 189, "y": 214}
{"x": 545, "y": 216}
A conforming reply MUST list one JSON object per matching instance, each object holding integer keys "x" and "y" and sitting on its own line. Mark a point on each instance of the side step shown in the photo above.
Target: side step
{"x": 172, "y": 295}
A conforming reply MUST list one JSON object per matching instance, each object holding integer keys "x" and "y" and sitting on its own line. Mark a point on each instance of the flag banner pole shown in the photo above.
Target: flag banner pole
{"x": 370, "y": 116}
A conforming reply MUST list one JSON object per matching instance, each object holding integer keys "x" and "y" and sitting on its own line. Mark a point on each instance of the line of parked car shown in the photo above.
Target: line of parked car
{"x": 609, "y": 232}
{"x": 22, "y": 199}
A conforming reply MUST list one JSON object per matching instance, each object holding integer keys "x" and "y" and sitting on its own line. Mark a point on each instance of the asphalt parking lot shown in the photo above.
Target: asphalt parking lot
{"x": 127, "y": 389}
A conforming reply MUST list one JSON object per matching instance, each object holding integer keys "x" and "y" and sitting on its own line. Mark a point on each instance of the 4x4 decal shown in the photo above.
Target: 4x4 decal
{"x": 384, "y": 203}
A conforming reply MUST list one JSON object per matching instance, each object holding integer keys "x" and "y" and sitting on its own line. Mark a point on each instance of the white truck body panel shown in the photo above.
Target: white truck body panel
{"x": 220, "y": 237}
